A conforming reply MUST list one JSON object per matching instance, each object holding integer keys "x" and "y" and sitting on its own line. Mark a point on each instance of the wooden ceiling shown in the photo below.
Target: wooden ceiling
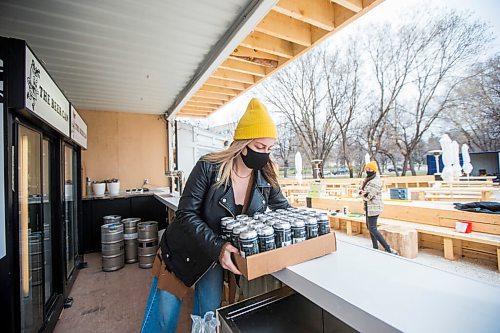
{"x": 288, "y": 30}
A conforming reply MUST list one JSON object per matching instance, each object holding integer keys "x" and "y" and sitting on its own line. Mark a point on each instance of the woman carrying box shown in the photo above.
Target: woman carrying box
{"x": 239, "y": 180}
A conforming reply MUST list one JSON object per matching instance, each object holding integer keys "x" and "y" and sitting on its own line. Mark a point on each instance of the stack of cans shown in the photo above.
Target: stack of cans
{"x": 274, "y": 229}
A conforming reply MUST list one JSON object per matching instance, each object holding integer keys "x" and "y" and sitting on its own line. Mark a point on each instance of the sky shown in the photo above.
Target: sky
{"x": 484, "y": 10}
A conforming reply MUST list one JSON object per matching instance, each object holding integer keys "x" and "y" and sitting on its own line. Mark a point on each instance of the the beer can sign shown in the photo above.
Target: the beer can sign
{"x": 248, "y": 243}
{"x": 282, "y": 234}
{"x": 298, "y": 231}
{"x": 266, "y": 239}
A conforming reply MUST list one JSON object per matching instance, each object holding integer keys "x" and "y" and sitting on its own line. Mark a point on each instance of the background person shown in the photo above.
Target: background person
{"x": 371, "y": 193}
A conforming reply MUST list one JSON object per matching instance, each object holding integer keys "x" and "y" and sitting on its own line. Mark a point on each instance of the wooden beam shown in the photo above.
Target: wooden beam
{"x": 219, "y": 90}
{"x": 201, "y": 104}
{"x": 197, "y": 110}
{"x": 317, "y": 34}
{"x": 212, "y": 96}
{"x": 242, "y": 51}
{"x": 217, "y": 102}
{"x": 269, "y": 64}
{"x": 195, "y": 115}
{"x": 230, "y": 75}
{"x": 286, "y": 27}
{"x": 216, "y": 82}
{"x": 244, "y": 66}
{"x": 315, "y": 12}
{"x": 270, "y": 44}
{"x": 190, "y": 106}
{"x": 342, "y": 15}
{"x": 352, "y": 5}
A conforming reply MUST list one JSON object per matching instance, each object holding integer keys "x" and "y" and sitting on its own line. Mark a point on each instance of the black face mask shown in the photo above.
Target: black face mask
{"x": 255, "y": 160}
{"x": 370, "y": 173}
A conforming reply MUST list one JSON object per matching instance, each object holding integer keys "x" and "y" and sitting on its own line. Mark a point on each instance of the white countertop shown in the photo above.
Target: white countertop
{"x": 171, "y": 200}
{"x": 376, "y": 292}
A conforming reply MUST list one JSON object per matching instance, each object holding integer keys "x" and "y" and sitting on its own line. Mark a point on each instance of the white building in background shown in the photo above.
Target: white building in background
{"x": 226, "y": 130}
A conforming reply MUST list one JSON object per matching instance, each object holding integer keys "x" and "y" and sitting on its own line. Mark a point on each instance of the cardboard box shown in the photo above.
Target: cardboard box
{"x": 269, "y": 262}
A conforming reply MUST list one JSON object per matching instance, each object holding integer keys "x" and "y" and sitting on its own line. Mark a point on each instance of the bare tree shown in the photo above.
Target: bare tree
{"x": 297, "y": 93}
{"x": 417, "y": 65}
{"x": 445, "y": 44}
{"x": 390, "y": 57}
{"x": 341, "y": 70}
{"x": 286, "y": 145}
{"x": 477, "y": 110}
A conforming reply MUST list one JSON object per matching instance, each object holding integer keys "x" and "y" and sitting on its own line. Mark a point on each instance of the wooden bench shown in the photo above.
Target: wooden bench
{"x": 452, "y": 240}
{"x": 465, "y": 183}
{"x": 463, "y": 194}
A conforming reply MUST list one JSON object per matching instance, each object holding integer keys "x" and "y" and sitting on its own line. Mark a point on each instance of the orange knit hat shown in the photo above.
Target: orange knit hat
{"x": 372, "y": 166}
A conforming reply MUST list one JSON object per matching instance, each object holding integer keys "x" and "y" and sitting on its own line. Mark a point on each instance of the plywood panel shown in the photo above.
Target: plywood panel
{"x": 424, "y": 213}
{"x": 130, "y": 147}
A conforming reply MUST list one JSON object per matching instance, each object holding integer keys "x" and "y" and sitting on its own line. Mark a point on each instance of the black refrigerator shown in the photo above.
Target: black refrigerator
{"x": 41, "y": 192}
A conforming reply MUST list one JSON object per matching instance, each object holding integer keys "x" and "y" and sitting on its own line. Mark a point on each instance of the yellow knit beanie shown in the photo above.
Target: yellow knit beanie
{"x": 372, "y": 165}
{"x": 255, "y": 123}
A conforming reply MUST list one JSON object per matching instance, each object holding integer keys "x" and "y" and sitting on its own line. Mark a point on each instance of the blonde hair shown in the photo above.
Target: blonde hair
{"x": 226, "y": 159}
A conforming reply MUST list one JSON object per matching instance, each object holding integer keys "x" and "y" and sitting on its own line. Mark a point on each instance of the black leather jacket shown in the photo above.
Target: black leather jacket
{"x": 192, "y": 243}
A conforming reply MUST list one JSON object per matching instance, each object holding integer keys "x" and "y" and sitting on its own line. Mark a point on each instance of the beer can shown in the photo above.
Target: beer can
{"x": 298, "y": 231}
{"x": 236, "y": 235}
{"x": 323, "y": 224}
{"x": 223, "y": 224}
{"x": 266, "y": 239}
{"x": 282, "y": 234}
{"x": 249, "y": 244}
{"x": 311, "y": 227}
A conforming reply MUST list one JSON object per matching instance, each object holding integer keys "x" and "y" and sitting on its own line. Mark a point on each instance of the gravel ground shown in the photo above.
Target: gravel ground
{"x": 472, "y": 268}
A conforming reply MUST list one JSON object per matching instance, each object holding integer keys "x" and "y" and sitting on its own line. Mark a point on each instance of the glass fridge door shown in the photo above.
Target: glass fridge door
{"x": 47, "y": 218}
{"x": 70, "y": 223}
{"x": 30, "y": 233}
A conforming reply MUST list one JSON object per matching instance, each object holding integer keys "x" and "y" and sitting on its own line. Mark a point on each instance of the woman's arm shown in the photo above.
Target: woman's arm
{"x": 189, "y": 211}
{"x": 276, "y": 199}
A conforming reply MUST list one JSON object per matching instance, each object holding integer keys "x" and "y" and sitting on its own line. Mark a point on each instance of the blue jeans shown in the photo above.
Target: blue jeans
{"x": 163, "y": 308}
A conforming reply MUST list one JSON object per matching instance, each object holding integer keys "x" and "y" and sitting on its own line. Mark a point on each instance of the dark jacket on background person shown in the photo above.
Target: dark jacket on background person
{"x": 192, "y": 242}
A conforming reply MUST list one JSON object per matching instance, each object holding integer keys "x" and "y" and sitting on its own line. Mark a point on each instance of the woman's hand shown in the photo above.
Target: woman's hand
{"x": 225, "y": 258}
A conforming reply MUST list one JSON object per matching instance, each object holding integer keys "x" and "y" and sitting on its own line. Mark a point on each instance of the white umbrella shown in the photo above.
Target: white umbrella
{"x": 367, "y": 158}
{"x": 467, "y": 166}
{"x": 447, "y": 156}
{"x": 298, "y": 167}
{"x": 457, "y": 168}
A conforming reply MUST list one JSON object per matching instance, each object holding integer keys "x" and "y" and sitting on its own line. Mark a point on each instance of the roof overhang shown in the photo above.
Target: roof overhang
{"x": 289, "y": 29}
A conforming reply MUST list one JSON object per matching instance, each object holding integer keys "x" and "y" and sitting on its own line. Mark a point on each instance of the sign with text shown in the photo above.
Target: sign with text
{"x": 43, "y": 97}
{"x": 78, "y": 129}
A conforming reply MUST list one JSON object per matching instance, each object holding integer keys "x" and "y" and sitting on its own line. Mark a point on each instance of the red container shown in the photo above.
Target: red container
{"x": 463, "y": 226}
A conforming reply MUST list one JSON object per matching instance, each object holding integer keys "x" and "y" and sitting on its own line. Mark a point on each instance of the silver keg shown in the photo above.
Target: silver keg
{"x": 111, "y": 219}
{"x": 130, "y": 238}
{"x": 112, "y": 247}
{"x": 147, "y": 238}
